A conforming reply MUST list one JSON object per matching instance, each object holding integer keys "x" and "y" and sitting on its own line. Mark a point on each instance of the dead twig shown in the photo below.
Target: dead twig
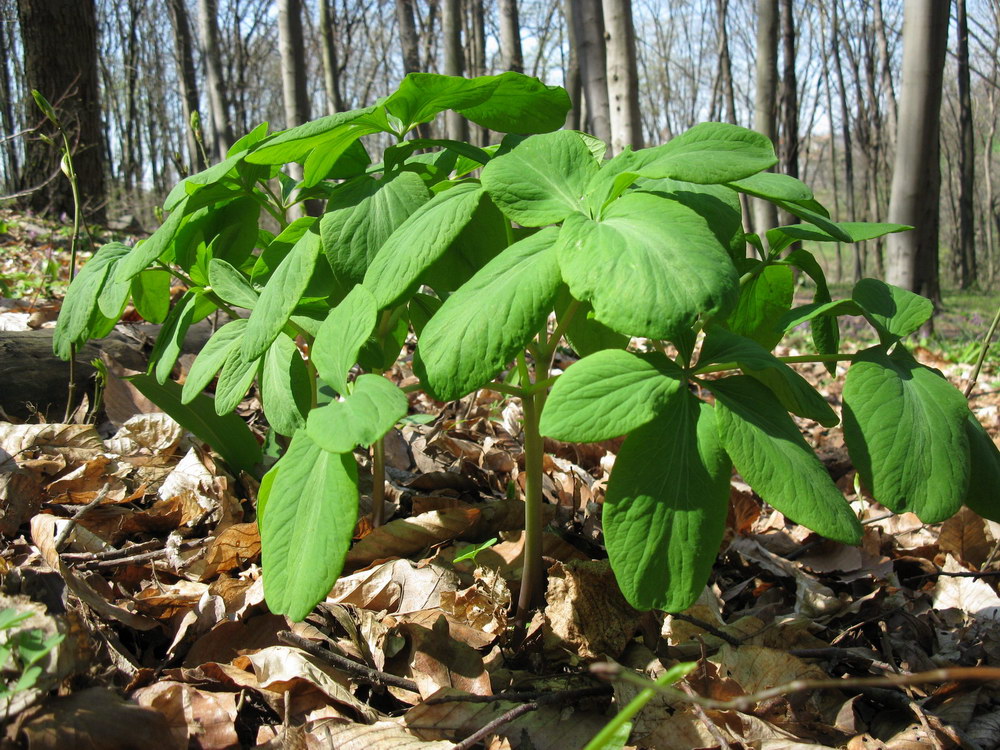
{"x": 710, "y": 725}
{"x": 358, "y": 670}
{"x": 141, "y": 557}
{"x": 68, "y": 528}
{"x": 525, "y": 696}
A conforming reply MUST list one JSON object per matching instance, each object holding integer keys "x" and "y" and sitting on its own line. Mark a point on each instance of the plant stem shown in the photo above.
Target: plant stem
{"x": 796, "y": 359}
{"x": 982, "y": 354}
{"x": 71, "y": 175}
{"x": 534, "y": 453}
{"x": 378, "y": 482}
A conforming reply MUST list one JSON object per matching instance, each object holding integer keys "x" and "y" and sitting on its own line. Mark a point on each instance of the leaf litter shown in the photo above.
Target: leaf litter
{"x": 136, "y": 543}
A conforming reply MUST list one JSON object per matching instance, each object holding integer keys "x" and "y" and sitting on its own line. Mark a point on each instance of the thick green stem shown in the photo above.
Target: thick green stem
{"x": 534, "y": 453}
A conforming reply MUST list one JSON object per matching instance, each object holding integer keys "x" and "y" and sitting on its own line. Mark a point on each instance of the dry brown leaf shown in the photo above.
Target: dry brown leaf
{"x": 165, "y": 601}
{"x": 433, "y": 659}
{"x": 233, "y": 548}
{"x": 147, "y": 434}
{"x": 483, "y": 606}
{"x": 403, "y": 537}
{"x": 205, "y": 495}
{"x": 395, "y": 586}
{"x": 196, "y": 717}
{"x": 21, "y": 497}
{"x": 757, "y": 668}
{"x": 973, "y": 596}
{"x": 585, "y": 612}
{"x": 228, "y": 639}
{"x": 964, "y": 535}
{"x": 96, "y": 719}
{"x": 382, "y": 735}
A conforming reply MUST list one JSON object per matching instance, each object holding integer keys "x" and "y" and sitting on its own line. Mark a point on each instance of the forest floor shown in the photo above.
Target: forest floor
{"x": 130, "y": 540}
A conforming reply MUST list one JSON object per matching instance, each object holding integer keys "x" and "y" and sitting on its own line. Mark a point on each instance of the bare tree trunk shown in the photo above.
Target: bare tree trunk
{"x": 623, "y": 76}
{"x": 510, "y": 37}
{"x": 454, "y": 58}
{"x": 886, "y": 72}
{"x": 966, "y": 158}
{"x": 845, "y": 118}
{"x": 293, "y": 78}
{"x": 592, "y": 54}
{"x": 10, "y": 180}
{"x": 765, "y": 215}
{"x": 331, "y": 73}
{"x": 222, "y": 130}
{"x": 725, "y": 62}
{"x": 916, "y": 178}
{"x": 573, "y": 79}
{"x": 184, "y": 58}
{"x": 59, "y": 39}
{"x": 408, "y": 36}
{"x": 789, "y": 142}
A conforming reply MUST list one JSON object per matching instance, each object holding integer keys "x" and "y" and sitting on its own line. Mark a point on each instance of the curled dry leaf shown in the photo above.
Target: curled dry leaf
{"x": 434, "y": 659}
{"x": 395, "y": 586}
{"x": 382, "y": 735}
{"x": 195, "y": 717}
{"x": 973, "y": 596}
{"x": 147, "y": 434}
{"x": 406, "y": 536}
{"x": 965, "y": 536}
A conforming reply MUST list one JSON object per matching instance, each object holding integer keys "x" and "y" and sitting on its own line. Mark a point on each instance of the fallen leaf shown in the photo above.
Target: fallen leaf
{"x": 195, "y": 717}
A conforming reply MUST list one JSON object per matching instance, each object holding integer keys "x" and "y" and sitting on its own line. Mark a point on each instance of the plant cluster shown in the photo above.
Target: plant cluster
{"x": 638, "y": 262}
{"x": 22, "y": 653}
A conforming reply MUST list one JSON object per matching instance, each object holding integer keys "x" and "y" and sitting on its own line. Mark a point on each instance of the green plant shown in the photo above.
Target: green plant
{"x": 551, "y": 242}
{"x": 21, "y": 653}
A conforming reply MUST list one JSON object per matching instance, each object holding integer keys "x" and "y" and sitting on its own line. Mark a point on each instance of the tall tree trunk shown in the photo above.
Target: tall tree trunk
{"x": 966, "y": 158}
{"x": 408, "y": 38}
{"x": 789, "y": 149}
{"x": 331, "y": 73}
{"x": 845, "y": 121}
{"x": 184, "y": 58}
{"x": 765, "y": 100}
{"x": 293, "y": 77}
{"x": 454, "y": 58}
{"x": 11, "y": 176}
{"x": 916, "y": 177}
{"x": 725, "y": 61}
{"x": 592, "y": 54}
{"x": 59, "y": 39}
{"x": 573, "y": 81}
{"x": 222, "y": 130}
{"x": 886, "y": 71}
{"x": 510, "y": 37}
{"x": 623, "y": 76}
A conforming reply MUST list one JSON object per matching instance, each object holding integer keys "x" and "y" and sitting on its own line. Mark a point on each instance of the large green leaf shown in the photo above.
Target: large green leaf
{"x": 419, "y": 241}
{"x": 360, "y": 216}
{"x": 371, "y": 409}
{"x": 651, "y": 267}
{"x": 281, "y": 294}
{"x": 608, "y": 394}
{"x": 485, "y": 324}
{"x": 905, "y": 429}
{"x": 983, "y": 495}
{"x": 763, "y": 300}
{"x": 825, "y": 330}
{"x": 211, "y": 358}
{"x": 296, "y": 143}
{"x": 792, "y": 390}
{"x": 285, "y": 387}
{"x": 235, "y": 378}
{"x": 772, "y": 185}
{"x": 228, "y": 434}
{"x": 312, "y": 509}
{"x": 170, "y": 340}
{"x": 479, "y": 242}
{"x": 718, "y": 204}
{"x": 151, "y": 295}
{"x": 665, "y": 511}
{"x": 543, "y": 179}
{"x": 230, "y": 284}
{"x": 772, "y": 456}
{"x": 152, "y": 247}
{"x": 893, "y": 311}
{"x": 278, "y": 247}
{"x": 712, "y": 152}
{"x": 585, "y": 333}
{"x": 858, "y": 231}
{"x": 80, "y": 318}
{"x": 346, "y": 329}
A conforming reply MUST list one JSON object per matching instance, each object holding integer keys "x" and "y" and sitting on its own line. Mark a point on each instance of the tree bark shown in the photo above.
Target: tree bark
{"x": 510, "y": 37}
{"x": 916, "y": 178}
{"x": 222, "y": 130}
{"x": 10, "y": 180}
{"x": 573, "y": 82}
{"x": 623, "y": 76}
{"x": 725, "y": 61}
{"x": 592, "y": 54}
{"x": 408, "y": 39}
{"x": 454, "y": 59}
{"x": 765, "y": 100}
{"x": 845, "y": 122}
{"x": 966, "y": 158}
{"x": 59, "y": 39}
{"x": 184, "y": 58}
{"x": 331, "y": 73}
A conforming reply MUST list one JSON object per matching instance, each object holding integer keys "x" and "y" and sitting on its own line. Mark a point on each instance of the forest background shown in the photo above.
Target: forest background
{"x": 821, "y": 78}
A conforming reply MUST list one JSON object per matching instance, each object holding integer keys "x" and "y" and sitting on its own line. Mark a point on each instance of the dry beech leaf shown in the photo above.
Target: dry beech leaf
{"x": 382, "y": 735}
{"x": 435, "y": 659}
{"x": 228, "y": 639}
{"x": 585, "y": 612}
{"x": 196, "y": 717}
{"x": 548, "y": 728}
{"x": 205, "y": 495}
{"x": 147, "y": 434}
{"x": 406, "y": 536}
{"x": 395, "y": 586}
{"x": 68, "y": 440}
{"x": 758, "y": 668}
{"x": 43, "y": 535}
{"x": 483, "y": 606}
{"x": 168, "y": 600}
{"x": 964, "y": 536}
{"x": 233, "y": 548}
{"x": 97, "y": 719}
{"x": 458, "y": 630}
{"x": 21, "y": 497}
{"x": 972, "y": 596}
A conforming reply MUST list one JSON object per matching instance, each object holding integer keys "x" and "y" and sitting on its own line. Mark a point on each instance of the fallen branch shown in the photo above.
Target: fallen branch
{"x": 358, "y": 670}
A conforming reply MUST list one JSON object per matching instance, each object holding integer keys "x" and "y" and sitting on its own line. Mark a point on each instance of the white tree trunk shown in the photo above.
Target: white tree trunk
{"x": 623, "y": 77}
{"x": 765, "y": 214}
{"x": 510, "y": 37}
{"x": 208, "y": 23}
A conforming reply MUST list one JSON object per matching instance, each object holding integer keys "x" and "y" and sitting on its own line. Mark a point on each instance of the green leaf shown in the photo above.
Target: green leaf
{"x": 651, "y": 267}
{"x": 151, "y": 295}
{"x": 231, "y": 285}
{"x": 792, "y": 390}
{"x": 825, "y": 330}
{"x": 904, "y": 426}
{"x": 585, "y": 333}
{"x": 983, "y": 495}
{"x": 894, "y": 312}
{"x": 543, "y": 179}
{"x": 311, "y": 513}
{"x": 718, "y": 204}
{"x": 479, "y": 242}
{"x": 80, "y": 318}
{"x": 278, "y": 248}
{"x": 170, "y": 340}
{"x": 360, "y": 216}
{"x": 772, "y": 185}
{"x": 485, "y": 324}
{"x": 608, "y": 394}
{"x": 296, "y": 143}
{"x": 281, "y": 295}
{"x": 858, "y": 231}
{"x": 804, "y": 210}
{"x": 419, "y": 241}
{"x": 285, "y": 386}
{"x": 343, "y": 333}
{"x": 712, "y": 152}
{"x": 665, "y": 510}
{"x": 152, "y": 247}
{"x": 773, "y": 458}
{"x": 211, "y": 358}
{"x": 762, "y": 303}
{"x": 235, "y": 378}
{"x": 421, "y": 308}
{"x": 228, "y": 434}
{"x": 365, "y": 415}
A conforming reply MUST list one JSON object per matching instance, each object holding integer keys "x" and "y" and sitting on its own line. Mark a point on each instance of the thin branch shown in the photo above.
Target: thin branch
{"x": 68, "y": 528}
{"x": 358, "y": 670}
